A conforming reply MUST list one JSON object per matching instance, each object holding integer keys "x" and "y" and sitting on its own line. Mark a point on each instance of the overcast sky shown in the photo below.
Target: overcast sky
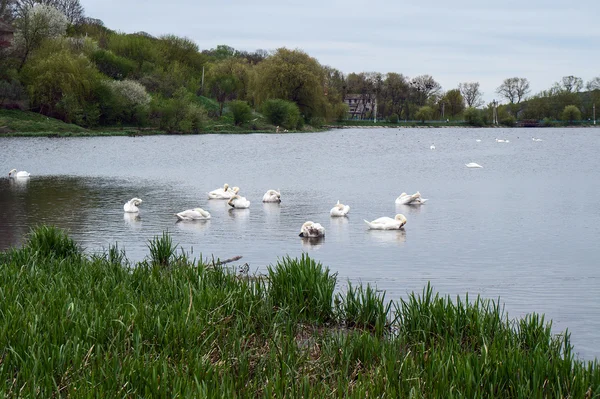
{"x": 454, "y": 41}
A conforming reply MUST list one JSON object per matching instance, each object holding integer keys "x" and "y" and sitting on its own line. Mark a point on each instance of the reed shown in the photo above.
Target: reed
{"x": 98, "y": 326}
{"x": 162, "y": 250}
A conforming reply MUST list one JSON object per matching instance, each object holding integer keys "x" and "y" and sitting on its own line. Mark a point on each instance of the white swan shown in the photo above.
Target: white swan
{"x": 223, "y": 193}
{"x": 238, "y": 202}
{"x": 478, "y": 140}
{"x": 339, "y": 210}
{"x": 502, "y": 141}
{"x": 473, "y": 165}
{"x": 414, "y": 199}
{"x": 386, "y": 223}
{"x": 272, "y": 196}
{"x": 22, "y": 173}
{"x": 131, "y": 206}
{"x": 312, "y": 230}
{"x": 534, "y": 139}
{"x": 432, "y": 147}
{"x": 193, "y": 214}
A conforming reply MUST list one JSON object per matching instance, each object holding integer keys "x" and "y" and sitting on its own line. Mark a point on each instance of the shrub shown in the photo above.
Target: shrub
{"x": 282, "y": 113}
{"x": 509, "y": 121}
{"x": 241, "y": 111}
{"x": 393, "y": 118}
{"x": 340, "y": 111}
{"x": 547, "y": 122}
{"x": 571, "y": 114}
{"x": 11, "y": 91}
{"x": 424, "y": 113}
{"x": 178, "y": 114}
{"x": 315, "y": 121}
{"x": 112, "y": 65}
{"x": 473, "y": 117}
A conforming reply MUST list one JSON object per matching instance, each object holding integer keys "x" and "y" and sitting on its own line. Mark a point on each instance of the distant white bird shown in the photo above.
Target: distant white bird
{"x": 14, "y": 173}
{"x": 193, "y": 214}
{"x": 386, "y": 223}
{"x": 534, "y": 139}
{"x": 272, "y": 196}
{"x": 131, "y": 206}
{"x": 238, "y": 202}
{"x": 223, "y": 193}
{"x": 312, "y": 230}
{"x": 502, "y": 141}
{"x": 478, "y": 140}
{"x": 407, "y": 199}
{"x": 339, "y": 210}
{"x": 432, "y": 147}
{"x": 473, "y": 165}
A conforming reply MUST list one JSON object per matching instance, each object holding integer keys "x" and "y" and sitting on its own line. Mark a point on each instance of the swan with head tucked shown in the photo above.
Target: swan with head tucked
{"x": 473, "y": 165}
{"x": 238, "y": 202}
{"x": 432, "y": 147}
{"x": 312, "y": 230}
{"x": 272, "y": 196}
{"x": 223, "y": 193}
{"x": 339, "y": 210}
{"x": 22, "y": 173}
{"x": 193, "y": 214}
{"x": 131, "y": 206}
{"x": 535, "y": 139}
{"x": 386, "y": 223}
{"x": 407, "y": 199}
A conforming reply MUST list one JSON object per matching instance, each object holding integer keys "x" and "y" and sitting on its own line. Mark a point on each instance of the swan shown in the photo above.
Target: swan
{"x": 312, "y": 230}
{"x": 193, "y": 214}
{"x": 272, "y": 196}
{"x": 238, "y": 202}
{"x": 502, "y": 141}
{"x": 223, "y": 193}
{"x": 414, "y": 199}
{"x": 432, "y": 147}
{"x": 534, "y": 139}
{"x": 473, "y": 165}
{"x": 339, "y": 210}
{"x": 386, "y": 223}
{"x": 131, "y": 206}
{"x": 478, "y": 140}
{"x": 22, "y": 173}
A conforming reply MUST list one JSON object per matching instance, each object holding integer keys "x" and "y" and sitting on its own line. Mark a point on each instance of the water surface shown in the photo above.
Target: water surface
{"x": 523, "y": 228}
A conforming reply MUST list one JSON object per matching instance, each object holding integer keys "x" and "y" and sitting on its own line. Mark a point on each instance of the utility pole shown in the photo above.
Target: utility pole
{"x": 443, "y": 107}
{"x": 594, "y": 113}
{"x": 375, "y": 111}
{"x": 494, "y": 112}
{"x": 202, "y": 84}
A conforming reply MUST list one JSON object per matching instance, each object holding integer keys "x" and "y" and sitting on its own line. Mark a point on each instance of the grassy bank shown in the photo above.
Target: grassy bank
{"x": 78, "y": 325}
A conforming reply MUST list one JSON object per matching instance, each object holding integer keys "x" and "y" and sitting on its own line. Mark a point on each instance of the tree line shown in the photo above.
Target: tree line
{"x": 71, "y": 67}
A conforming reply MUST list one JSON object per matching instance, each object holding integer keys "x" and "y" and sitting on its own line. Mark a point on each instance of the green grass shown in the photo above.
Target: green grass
{"x": 99, "y": 326}
{"x": 30, "y": 122}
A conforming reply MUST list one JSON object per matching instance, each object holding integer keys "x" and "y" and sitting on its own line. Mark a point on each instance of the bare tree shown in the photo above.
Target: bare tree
{"x": 514, "y": 89}
{"x": 471, "y": 93}
{"x": 593, "y": 84}
{"x": 569, "y": 84}
{"x": 72, "y": 9}
{"x": 424, "y": 86}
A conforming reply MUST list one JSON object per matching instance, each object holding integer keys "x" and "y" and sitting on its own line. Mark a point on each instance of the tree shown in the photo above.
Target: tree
{"x": 38, "y": 23}
{"x": 593, "y": 84}
{"x": 569, "y": 84}
{"x": 471, "y": 93}
{"x": 396, "y": 92}
{"x": 514, "y": 89}
{"x": 423, "y": 87}
{"x": 473, "y": 116}
{"x": 291, "y": 75}
{"x": 571, "y": 114}
{"x": 424, "y": 113}
{"x": 455, "y": 102}
{"x": 71, "y": 9}
{"x": 241, "y": 111}
{"x": 281, "y": 112}
{"x": 227, "y": 80}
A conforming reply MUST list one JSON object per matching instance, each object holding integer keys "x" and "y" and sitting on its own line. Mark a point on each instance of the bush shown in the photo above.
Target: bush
{"x": 282, "y": 113}
{"x": 571, "y": 114}
{"x": 340, "y": 111}
{"x": 473, "y": 117}
{"x": 393, "y": 118}
{"x": 241, "y": 111}
{"x": 112, "y": 65}
{"x": 315, "y": 121}
{"x": 11, "y": 91}
{"x": 547, "y": 122}
{"x": 424, "y": 113}
{"x": 179, "y": 114}
{"x": 509, "y": 121}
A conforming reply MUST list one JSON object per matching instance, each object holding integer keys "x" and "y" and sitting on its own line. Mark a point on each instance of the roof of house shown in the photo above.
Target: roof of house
{"x": 4, "y": 27}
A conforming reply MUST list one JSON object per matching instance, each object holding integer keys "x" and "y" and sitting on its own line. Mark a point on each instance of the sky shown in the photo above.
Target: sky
{"x": 453, "y": 41}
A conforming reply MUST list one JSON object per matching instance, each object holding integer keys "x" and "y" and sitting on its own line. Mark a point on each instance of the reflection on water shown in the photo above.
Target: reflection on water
{"x": 312, "y": 242}
{"x": 492, "y": 233}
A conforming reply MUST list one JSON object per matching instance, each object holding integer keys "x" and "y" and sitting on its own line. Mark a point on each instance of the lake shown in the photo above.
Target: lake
{"x": 524, "y": 228}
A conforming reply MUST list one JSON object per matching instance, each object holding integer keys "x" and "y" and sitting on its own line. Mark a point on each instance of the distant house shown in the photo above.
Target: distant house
{"x": 359, "y": 105}
{"x": 7, "y": 32}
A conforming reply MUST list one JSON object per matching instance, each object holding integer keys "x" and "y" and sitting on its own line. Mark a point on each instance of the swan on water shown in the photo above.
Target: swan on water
{"x": 432, "y": 147}
{"x": 312, "y": 230}
{"x": 22, "y": 173}
{"x": 473, "y": 165}
{"x": 193, "y": 214}
{"x": 131, "y": 206}
{"x": 414, "y": 199}
{"x": 238, "y": 202}
{"x": 339, "y": 210}
{"x": 535, "y": 139}
{"x": 478, "y": 140}
{"x": 272, "y": 196}
{"x": 502, "y": 141}
{"x": 386, "y": 223}
{"x": 225, "y": 192}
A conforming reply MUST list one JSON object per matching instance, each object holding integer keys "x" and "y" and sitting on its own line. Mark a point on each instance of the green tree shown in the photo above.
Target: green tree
{"x": 424, "y": 113}
{"x": 455, "y": 103}
{"x": 473, "y": 117}
{"x": 241, "y": 111}
{"x": 228, "y": 80}
{"x": 282, "y": 113}
{"x": 291, "y": 75}
{"x": 571, "y": 114}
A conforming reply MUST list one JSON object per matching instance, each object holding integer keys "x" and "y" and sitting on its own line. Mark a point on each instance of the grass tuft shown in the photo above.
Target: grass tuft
{"x": 162, "y": 250}
{"x": 50, "y": 241}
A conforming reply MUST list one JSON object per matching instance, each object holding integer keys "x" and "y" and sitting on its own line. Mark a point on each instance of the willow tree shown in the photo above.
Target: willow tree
{"x": 228, "y": 80}
{"x": 291, "y": 75}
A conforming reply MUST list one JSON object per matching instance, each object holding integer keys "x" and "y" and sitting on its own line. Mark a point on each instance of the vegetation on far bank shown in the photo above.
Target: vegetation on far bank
{"x": 77, "y": 325}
